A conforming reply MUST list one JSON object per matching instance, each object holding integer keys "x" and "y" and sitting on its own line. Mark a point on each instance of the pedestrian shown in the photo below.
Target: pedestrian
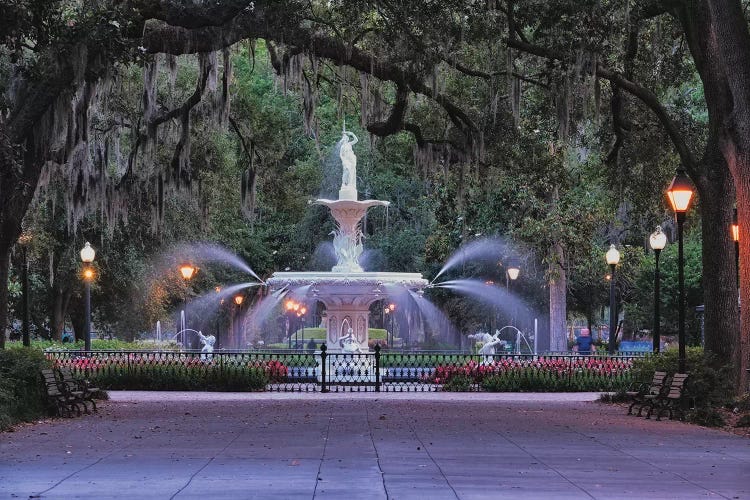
{"x": 584, "y": 343}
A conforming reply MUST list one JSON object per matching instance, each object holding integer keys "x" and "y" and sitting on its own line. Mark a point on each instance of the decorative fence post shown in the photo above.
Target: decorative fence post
{"x": 377, "y": 367}
{"x": 323, "y": 387}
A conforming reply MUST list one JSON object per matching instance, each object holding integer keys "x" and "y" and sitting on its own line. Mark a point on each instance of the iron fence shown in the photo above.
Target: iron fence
{"x": 381, "y": 371}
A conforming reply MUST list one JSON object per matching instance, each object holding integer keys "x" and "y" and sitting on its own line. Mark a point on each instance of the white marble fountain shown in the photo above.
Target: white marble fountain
{"x": 347, "y": 290}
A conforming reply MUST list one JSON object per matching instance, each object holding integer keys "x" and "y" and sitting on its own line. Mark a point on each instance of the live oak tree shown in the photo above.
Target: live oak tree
{"x": 715, "y": 33}
{"x": 61, "y": 59}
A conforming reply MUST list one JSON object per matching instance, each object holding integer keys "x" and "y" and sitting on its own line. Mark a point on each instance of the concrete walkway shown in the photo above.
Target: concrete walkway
{"x": 368, "y": 445}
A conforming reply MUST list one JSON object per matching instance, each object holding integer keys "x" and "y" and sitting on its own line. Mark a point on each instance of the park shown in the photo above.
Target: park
{"x": 374, "y": 249}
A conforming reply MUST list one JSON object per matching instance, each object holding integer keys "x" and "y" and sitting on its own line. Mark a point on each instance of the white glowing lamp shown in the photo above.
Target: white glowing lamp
{"x": 88, "y": 253}
{"x": 657, "y": 240}
{"x": 613, "y": 255}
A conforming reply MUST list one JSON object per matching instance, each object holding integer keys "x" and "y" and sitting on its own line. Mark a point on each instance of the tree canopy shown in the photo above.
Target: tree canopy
{"x": 556, "y": 124}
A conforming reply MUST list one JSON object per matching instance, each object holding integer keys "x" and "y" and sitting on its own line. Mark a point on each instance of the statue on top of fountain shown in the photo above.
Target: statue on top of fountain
{"x": 348, "y": 189}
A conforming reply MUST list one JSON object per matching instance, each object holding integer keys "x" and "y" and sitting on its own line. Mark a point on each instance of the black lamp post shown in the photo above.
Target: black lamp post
{"x": 680, "y": 193}
{"x": 187, "y": 271}
{"x": 301, "y": 315}
{"x": 292, "y": 309}
{"x": 24, "y": 241}
{"x": 613, "y": 258}
{"x": 237, "y": 324}
{"x": 657, "y": 240}
{"x": 512, "y": 272}
{"x": 389, "y": 335}
{"x": 87, "y": 257}
{"x": 218, "y": 314}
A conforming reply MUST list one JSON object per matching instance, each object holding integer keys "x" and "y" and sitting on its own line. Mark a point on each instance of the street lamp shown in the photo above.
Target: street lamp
{"x": 187, "y": 271}
{"x": 24, "y": 241}
{"x": 217, "y": 289}
{"x": 87, "y": 257}
{"x": 736, "y": 239}
{"x": 238, "y": 300}
{"x": 657, "y": 240}
{"x": 291, "y": 307}
{"x": 388, "y": 310}
{"x": 680, "y": 193}
{"x": 512, "y": 272}
{"x": 302, "y": 310}
{"x": 613, "y": 258}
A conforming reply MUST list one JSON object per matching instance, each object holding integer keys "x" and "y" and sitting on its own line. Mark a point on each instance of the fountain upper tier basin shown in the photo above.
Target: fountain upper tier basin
{"x": 373, "y": 282}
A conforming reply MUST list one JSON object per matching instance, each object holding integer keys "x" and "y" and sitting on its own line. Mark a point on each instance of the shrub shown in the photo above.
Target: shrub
{"x": 743, "y": 421}
{"x": 22, "y": 394}
{"x": 741, "y": 404}
{"x": 458, "y": 383}
{"x": 709, "y": 383}
{"x": 707, "y": 417}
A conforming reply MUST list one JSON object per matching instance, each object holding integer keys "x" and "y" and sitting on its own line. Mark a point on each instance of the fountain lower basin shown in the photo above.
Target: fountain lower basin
{"x": 347, "y": 297}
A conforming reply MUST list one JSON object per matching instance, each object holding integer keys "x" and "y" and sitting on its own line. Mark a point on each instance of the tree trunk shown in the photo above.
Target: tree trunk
{"x": 558, "y": 335}
{"x": 720, "y": 53}
{"x": 4, "y": 272}
{"x": 722, "y": 33}
{"x": 57, "y": 315}
{"x": 722, "y": 321}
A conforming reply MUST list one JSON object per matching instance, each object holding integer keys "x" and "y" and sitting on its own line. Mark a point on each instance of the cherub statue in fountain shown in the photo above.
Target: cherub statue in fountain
{"x": 348, "y": 343}
{"x": 489, "y": 342}
{"x": 348, "y": 160}
{"x": 208, "y": 345}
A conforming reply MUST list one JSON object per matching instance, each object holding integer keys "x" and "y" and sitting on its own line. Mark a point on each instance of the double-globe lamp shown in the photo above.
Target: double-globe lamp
{"x": 680, "y": 194}
{"x": 657, "y": 241}
{"x": 87, "y": 257}
{"x": 613, "y": 258}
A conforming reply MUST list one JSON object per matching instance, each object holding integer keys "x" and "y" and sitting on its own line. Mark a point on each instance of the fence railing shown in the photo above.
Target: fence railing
{"x": 301, "y": 370}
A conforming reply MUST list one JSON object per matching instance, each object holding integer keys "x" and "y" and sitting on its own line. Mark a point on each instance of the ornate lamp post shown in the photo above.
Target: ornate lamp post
{"x": 680, "y": 193}
{"x": 657, "y": 240}
{"x": 512, "y": 272}
{"x": 24, "y": 241}
{"x": 291, "y": 307}
{"x": 187, "y": 271}
{"x": 613, "y": 258}
{"x": 388, "y": 310}
{"x": 301, "y": 311}
{"x": 217, "y": 289}
{"x": 238, "y": 300}
{"x": 87, "y": 257}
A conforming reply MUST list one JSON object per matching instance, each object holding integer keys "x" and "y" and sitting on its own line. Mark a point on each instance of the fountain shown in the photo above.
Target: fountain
{"x": 347, "y": 290}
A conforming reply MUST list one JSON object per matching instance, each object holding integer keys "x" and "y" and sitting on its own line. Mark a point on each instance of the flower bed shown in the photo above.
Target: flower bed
{"x": 568, "y": 374}
{"x": 167, "y": 371}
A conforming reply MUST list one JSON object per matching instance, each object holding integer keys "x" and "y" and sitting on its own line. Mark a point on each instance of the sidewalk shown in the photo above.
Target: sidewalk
{"x": 368, "y": 445}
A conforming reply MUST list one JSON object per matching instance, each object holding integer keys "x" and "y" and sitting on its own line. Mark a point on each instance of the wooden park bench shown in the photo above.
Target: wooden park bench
{"x": 670, "y": 399}
{"x": 64, "y": 401}
{"x": 79, "y": 386}
{"x": 639, "y": 392}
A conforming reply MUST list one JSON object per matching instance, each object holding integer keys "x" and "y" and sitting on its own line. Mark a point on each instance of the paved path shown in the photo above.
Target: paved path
{"x": 368, "y": 445}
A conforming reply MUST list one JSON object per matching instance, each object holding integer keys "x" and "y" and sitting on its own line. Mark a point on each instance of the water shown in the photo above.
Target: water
{"x": 486, "y": 250}
{"x": 201, "y": 253}
{"x": 496, "y": 296}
